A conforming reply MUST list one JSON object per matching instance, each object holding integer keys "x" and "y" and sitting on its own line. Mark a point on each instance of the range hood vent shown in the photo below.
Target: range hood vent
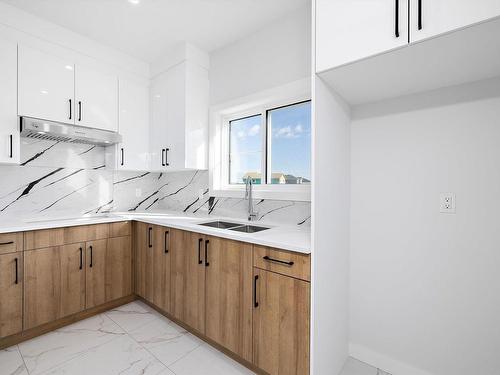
{"x": 56, "y": 131}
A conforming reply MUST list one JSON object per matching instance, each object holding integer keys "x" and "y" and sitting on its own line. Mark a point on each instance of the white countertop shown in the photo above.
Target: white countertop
{"x": 291, "y": 237}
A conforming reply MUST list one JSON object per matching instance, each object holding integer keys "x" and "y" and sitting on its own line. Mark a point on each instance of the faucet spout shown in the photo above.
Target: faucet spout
{"x": 249, "y": 195}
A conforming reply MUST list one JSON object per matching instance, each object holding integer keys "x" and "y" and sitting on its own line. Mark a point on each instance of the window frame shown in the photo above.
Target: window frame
{"x": 260, "y": 104}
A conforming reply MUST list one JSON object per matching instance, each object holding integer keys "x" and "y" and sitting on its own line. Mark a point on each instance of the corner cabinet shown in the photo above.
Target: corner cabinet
{"x": 9, "y": 132}
{"x": 347, "y": 31}
{"x": 179, "y": 118}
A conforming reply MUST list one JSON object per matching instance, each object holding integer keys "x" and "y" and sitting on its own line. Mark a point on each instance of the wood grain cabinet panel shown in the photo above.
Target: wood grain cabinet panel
{"x": 54, "y": 283}
{"x": 229, "y": 295}
{"x": 38, "y": 239}
{"x": 161, "y": 267}
{"x": 11, "y": 294}
{"x": 284, "y": 262}
{"x": 188, "y": 278}
{"x": 281, "y": 324}
{"x": 144, "y": 260}
{"x": 118, "y": 273}
{"x": 120, "y": 229}
{"x": 95, "y": 273}
{"x": 11, "y": 242}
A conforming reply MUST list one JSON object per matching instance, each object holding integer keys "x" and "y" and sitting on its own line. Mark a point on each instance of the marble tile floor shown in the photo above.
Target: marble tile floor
{"x": 131, "y": 339}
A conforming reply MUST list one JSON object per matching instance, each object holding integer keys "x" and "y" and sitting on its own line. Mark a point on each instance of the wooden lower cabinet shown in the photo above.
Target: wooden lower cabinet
{"x": 144, "y": 260}
{"x": 188, "y": 278}
{"x": 229, "y": 295}
{"x": 118, "y": 274}
{"x": 54, "y": 283}
{"x": 11, "y": 294}
{"x": 281, "y": 324}
{"x": 161, "y": 267}
{"x": 95, "y": 273}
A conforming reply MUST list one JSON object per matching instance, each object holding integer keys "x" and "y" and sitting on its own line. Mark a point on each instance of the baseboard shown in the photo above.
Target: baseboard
{"x": 52, "y": 326}
{"x": 383, "y": 362}
{"x": 201, "y": 336}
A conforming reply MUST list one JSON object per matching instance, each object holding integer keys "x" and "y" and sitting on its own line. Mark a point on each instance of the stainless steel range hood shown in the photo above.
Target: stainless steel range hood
{"x": 56, "y": 131}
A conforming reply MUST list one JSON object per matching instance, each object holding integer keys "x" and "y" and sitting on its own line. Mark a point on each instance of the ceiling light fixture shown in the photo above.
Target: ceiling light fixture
{"x": 135, "y": 2}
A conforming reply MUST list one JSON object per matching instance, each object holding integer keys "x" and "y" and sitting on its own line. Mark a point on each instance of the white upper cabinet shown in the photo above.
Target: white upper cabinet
{"x": 133, "y": 152}
{"x": 96, "y": 99}
{"x": 9, "y": 132}
{"x": 349, "y": 30}
{"x": 179, "y": 118}
{"x": 433, "y": 17}
{"x": 46, "y": 86}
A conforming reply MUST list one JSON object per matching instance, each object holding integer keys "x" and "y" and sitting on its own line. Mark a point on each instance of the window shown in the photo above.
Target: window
{"x": 273, "y": 147}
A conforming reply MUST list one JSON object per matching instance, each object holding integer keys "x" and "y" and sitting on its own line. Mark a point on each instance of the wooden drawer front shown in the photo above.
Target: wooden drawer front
{"x": 11, "y": 242}
{"x": 120, "y": 229}
{"x": 283, "y": 262}
{"x": 39, "y": 239}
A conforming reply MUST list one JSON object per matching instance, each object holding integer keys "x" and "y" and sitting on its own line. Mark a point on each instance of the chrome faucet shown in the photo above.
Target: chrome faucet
{"x": 252, "y": 215}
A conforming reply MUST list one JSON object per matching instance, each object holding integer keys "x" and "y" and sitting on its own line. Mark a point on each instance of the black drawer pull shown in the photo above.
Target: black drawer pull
{"x": 150, "y": 231}
{"x": 17, "y": 270}
{"x": 91, "y": 257}
{"x": 123, "y": 159}
{"x": 255, "y": 303}
{"x": 70, "y": 109}
{"x": 396, "y": 31}
{"x": 11, "y": 146}
{"x": 290, "y": 263}
{"x": 81, "y": 258}
{"x": 79, "y": 111}
{"x": 166, "y": 157}
{"x": 166, "y": 241}
{"x": 206, "y": 253}
{"x": 162, "y": 157}
{"x": 6, "y": 243}
{"x": 199, "y": 250}
{"x": 420, "y": 14}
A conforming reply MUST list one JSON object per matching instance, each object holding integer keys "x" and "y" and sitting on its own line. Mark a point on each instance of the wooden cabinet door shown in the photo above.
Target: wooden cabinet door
{"x": 54, "y": 283}
{"x": 347, "y": 31}
{"x": 188, "y": 278}
{"x": 161, "y": 267}
{"x": 281, "y": 324}
{"x": 229, "y": 295}
{"x": 11, "y": 294}
{"x": 118, "y": 279}
{"x": 95, "y": 273}
{"x": 144, "y": 260}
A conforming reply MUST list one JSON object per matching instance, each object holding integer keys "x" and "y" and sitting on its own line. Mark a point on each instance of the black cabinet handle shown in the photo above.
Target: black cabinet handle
{"x": 420, "y": 14}
{"x": 81, "y": 258}
{"x": 163, "y": 157}
{"x": 123, "y": 159}
{"x": 6, "y": 243}
{"x": 150, "y": 230}
{"x": 70, "y": 109}
{"x": 11, "y": 146}
{"x": 396, "y": 30}
{"x": 166, "y": 241}
{"x": 91, "y": 257}
{"x": 166, "y": 157}
{"x": 200, "y": 241}
{"x": 17, "y": 270}
{"x": 206, "y": 253}
{"x": 255, "y": 303}
{"x": 79, "y": 111}
{"x": 277, "y": 261}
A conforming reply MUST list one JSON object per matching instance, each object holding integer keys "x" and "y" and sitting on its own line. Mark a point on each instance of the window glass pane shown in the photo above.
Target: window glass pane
{"x": 245, "y": 150}
{"x": 290, "y": 144}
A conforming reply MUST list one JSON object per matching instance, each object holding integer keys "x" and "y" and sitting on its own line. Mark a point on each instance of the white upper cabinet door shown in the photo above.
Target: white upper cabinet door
{"x": 433, "y": 17}
{"x": 349, "y": 30}
{"x": 9, "y": 132}
{"x": 96, "y": 99}
{"x": 46, "y": 86}
{"x": 133, "y": 152}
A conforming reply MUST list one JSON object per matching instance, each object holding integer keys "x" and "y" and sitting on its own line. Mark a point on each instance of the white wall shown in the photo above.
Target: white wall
{"x": 274, "y": 56}
{"x": 425, "y": 286}
{"x": 330, "y": 231}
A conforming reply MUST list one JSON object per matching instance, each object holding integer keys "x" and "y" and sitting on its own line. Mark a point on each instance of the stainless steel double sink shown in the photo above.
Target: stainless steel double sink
{"x": 238, "y": 227}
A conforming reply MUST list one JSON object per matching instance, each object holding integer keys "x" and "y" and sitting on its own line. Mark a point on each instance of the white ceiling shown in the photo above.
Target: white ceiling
{"x": 152, "y": 27}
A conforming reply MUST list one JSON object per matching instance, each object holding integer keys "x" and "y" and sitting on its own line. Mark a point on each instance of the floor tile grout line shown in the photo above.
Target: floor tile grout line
{"x": 22, "y": 358}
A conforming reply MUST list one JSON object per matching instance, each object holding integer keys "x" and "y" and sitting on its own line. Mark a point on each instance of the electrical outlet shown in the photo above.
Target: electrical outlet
{"x": 138, "y": 192}
{"x": 447, "y": 203}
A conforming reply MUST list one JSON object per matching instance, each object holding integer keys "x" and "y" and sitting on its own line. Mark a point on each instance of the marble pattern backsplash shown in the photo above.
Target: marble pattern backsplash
{"x": 68, "y": 180}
